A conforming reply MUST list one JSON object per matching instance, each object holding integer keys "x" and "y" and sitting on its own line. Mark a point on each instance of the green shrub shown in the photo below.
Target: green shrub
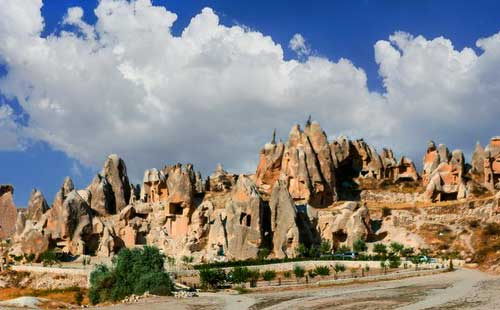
{"x": 314, "y": 251}
{"x": 239, "y": 275}
{"x": 187, "y": 259}
{"x": 359, "y": 246}
{"x": 301, "y": 250}
{"x": 380, "y": 248}
{"x": 254, "y": 276}
{"x": 397, "y": 248}
{"x": 134, "y": 271}
{"x": 50, "y": 258}
{"x": 408, "y": 251}
{"x": 311, "y": 274}
{"x": 322, "y": 270}
{"x": 213, "y": 278}
{"x": 325, "y": 247}
{"x": 394, "y": 262}
{"x": 383, "y": 265}
{"x": 287, "y": 274}
{"x": 416, "y": 261}
{"x": 338, "y": 268}
{"x": 269, "y": 275}
{"x": 78, "y": 297}
{"x": 29, "y": 257}
{"x": 298, "y": 271}
{"x": 263, "y": 253}
{"x": 343, "y": 248}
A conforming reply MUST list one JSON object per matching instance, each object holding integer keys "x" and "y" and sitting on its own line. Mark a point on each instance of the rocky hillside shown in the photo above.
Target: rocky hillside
{"x": 304, "y": 190}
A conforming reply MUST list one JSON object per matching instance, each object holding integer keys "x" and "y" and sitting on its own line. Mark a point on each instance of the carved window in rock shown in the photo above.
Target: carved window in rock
{"x": 175, "y": 208}
{"x": 449, "y": 196}
{"x": 245, "y": 219}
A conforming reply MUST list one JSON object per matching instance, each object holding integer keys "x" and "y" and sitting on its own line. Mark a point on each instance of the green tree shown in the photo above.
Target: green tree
{"x": 394, "y": 262}
{"x": 416, "y": 261}
{"x": 212, "y": 278}
{"x": 383, "y": 266}
{"x": 425, "y": 252}
{"x": 397, "y": 248}
{"x": 269, "y": 275}
{"x": 133, "y": 271}
{"x": 239, "y": 275}
{"x": 254, "y": 276}
{"x": 408, "y": 251}
{"x": 359, "y": 246}
{"x": 343, "y": 249}
{"x": 380, "y": 249}
{"x": 299, "y": 272}
{"x": 338, "y": 268}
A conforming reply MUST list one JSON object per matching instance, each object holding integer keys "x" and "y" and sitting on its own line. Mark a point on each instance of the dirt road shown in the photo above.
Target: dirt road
{"x": 462, "y": 289}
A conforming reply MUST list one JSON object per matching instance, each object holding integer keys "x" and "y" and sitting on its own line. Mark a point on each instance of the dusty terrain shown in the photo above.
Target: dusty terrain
{"x": 462, "y": 289}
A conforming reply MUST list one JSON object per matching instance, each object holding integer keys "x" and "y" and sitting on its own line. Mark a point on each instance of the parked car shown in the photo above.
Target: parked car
{"x": 427, "y": 259}
{"x": 346, "y": 255}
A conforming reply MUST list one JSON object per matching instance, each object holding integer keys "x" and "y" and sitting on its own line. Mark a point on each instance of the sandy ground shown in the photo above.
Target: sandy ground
{"x": 462, "y": 289}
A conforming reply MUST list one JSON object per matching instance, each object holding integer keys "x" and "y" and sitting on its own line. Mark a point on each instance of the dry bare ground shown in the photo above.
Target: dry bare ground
{"x": 462, "y": 289}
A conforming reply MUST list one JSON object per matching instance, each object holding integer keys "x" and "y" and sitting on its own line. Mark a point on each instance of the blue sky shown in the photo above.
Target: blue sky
{"x": 333, "y": 30}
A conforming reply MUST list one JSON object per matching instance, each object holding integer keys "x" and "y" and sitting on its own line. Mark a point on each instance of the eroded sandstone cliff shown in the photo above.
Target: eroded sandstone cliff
{"x": 305, "y": 190}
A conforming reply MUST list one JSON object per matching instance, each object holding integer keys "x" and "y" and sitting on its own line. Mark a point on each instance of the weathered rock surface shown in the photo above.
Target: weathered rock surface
{"x": 8, "y": 211}
{"x": 345, "y": 224}
{"x": 244, "y": 220}
{"x": 492, "y": 164}
{"x": 305, "y": 162}
{"x": 37, "y": 205}
{"x": 65, "y": 189}
{"x": 221, "y": 180}
{"x": 115, "y": 172}
{"x": 102, "y": 196}
{"x": 286, "y": 235}
{"x": 292, "y": 199}
{"x": 446, "y": 181}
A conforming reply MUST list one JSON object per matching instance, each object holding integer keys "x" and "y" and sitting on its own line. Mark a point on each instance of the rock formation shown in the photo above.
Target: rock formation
{"x": 305, "y": 162}
{"x": 65, "y": 189}
{"x": 8, "y": 211}
{"x": 115, "y": 172}
{"x": 102, "y": 196}
{"x": 244, "y": 220}
{"x": 220, "y": 180}
{"x": 286, "y": 234}
{"x": 305, "y": 190}
{"x": 492, "y": 165}
{"x": 444, "y": 174}
{"x": 37, "y": 206}
{"x": 345, "y": 224}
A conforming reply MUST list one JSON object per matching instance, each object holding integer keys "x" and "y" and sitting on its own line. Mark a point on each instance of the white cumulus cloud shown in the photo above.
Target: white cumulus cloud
{"x": 127, "y": 85}
{"x": 9, "y": 130}
{"x": 299, "y": 46}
